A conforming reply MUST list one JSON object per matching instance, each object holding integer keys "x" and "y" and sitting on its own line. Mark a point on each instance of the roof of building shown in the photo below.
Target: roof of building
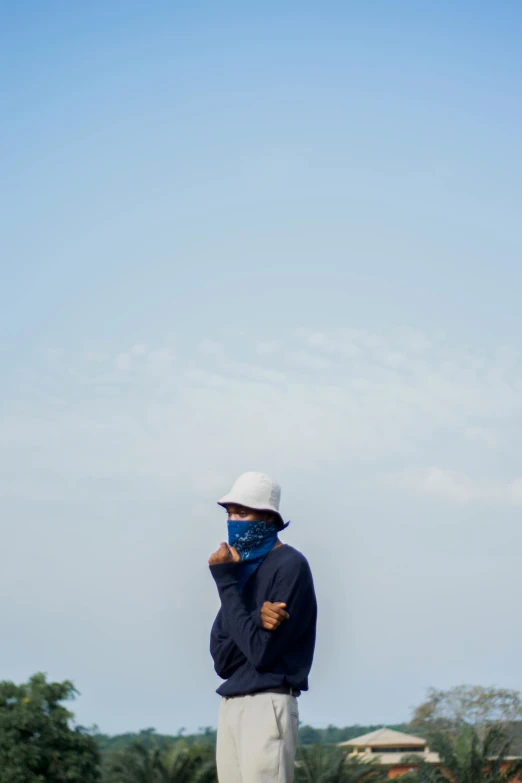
{"x": 385, "y": 738}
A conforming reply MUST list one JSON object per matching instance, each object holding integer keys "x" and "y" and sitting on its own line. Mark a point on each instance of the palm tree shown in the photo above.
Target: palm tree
{"x": 184, "y": 764}
{"x": 136, "y": 764}
{"x": 331, "y": 764}
{"x": 467, "y": 759}
{"x": 179, "y": 763}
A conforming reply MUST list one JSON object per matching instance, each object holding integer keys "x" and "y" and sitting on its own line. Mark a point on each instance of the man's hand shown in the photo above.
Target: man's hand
{"x": 272, "y": 615}
{"x": 225, "y": 554}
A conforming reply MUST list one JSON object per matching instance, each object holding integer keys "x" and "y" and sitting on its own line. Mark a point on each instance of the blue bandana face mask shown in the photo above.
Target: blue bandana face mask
{"x": 253, "y": 541}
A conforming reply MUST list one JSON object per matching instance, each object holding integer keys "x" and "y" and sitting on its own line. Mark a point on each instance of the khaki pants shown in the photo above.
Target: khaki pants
{"x": 257, "y": 738}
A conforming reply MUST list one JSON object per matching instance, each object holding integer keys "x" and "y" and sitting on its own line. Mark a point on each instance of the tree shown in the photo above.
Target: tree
{"x": 467, "y": 758}
{"x": 37, "y": 741}
{"x": 308, "y": 735}
{"x": 179, "y": 763}
{"x": 184, "y": 764}
{"x": 331, "y": 764}
{"x": 138, "y": 763}
{"x": 467, "y": 704}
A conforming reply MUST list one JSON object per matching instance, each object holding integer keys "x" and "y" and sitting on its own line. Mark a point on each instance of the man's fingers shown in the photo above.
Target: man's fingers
{"x": 270, "y": 623}
{"x": 280, "y": 611}
{"x": 224, "y": 554}
{"x": 271, "y": 610}
{"x": 235, "y": 554}
{"x": 275, "y": 605}
{"x": 274, "y": 611}
{"x": 229, "y": 552}
{"x": 278, "y": 614}
{"x": 271, "y": 615}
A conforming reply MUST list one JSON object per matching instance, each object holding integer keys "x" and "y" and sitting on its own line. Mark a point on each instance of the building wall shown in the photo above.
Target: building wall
{"x": 396, "y": 772}
{"x": 401, "y": 769}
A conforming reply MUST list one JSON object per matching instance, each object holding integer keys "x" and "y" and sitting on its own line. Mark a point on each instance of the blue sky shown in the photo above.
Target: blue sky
{"x": 281, "y": 239}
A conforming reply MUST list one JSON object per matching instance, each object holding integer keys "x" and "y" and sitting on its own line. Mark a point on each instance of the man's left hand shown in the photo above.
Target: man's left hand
{"x": 273, "y": 614}
{"x": 225, "y": 554}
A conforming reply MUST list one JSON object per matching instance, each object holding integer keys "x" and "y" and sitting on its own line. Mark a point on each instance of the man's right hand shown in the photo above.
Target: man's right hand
{"x": 272, "y": 615}
{"x": 224, "y": 554}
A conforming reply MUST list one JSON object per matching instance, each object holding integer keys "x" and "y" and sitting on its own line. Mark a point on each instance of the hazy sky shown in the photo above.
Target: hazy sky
{"x": 278, "y": 237}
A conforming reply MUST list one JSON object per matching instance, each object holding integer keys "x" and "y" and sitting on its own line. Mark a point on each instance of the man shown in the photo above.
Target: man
{"x": 263, "y": 637}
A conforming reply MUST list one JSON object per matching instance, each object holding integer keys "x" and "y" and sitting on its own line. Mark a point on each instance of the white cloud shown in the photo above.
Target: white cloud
{"x": 456, "y": 487}
{"x": 97, "y": 356}
{"x": 516, "y": 492}
{"x": 123, "y": 361}
{"x": 394, "y": 402}
{"x": 211, "y": 347}
{"x": 140, "y": 349}
{"x": 307, "y": 359}
{"x": 267, "y": 347}
{"x": 210, "y": 484}
{"x": 436, "y": 481}
{"x": 160, "y": 357}
{"x": 394, "y": 358}
{"x": 126, "y": 359}
{"x": 117, "y": 466}
{"x": 459, "y": 488}
{"x": 486, "y": 435}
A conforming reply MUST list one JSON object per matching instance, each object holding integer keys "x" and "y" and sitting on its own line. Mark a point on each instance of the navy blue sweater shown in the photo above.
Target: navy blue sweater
{"x": 245, "y": 655}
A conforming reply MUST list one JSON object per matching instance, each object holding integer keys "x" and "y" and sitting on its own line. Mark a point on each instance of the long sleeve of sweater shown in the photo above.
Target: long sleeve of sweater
{"x": 225, "y": 653}
{"x": 261, "y": 648}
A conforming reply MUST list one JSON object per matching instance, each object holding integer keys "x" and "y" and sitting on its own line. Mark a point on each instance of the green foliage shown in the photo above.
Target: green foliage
{"x": 178, "y": 763}
{"x": 37, "y": 742}
{"x": 331, "y": 764}
{"x": 40, "y": 744}
{"x": 185, "y": 764}
{"x": 136, "y": 764}
{"x": 333, "y": 735}
{"x": 149, "y": 738}
{"x": 207, "y": 736}
{"x": 467, "y": 758}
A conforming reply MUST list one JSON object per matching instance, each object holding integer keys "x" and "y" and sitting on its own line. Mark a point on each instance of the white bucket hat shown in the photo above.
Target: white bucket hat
{"x": 257, "y": 491}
